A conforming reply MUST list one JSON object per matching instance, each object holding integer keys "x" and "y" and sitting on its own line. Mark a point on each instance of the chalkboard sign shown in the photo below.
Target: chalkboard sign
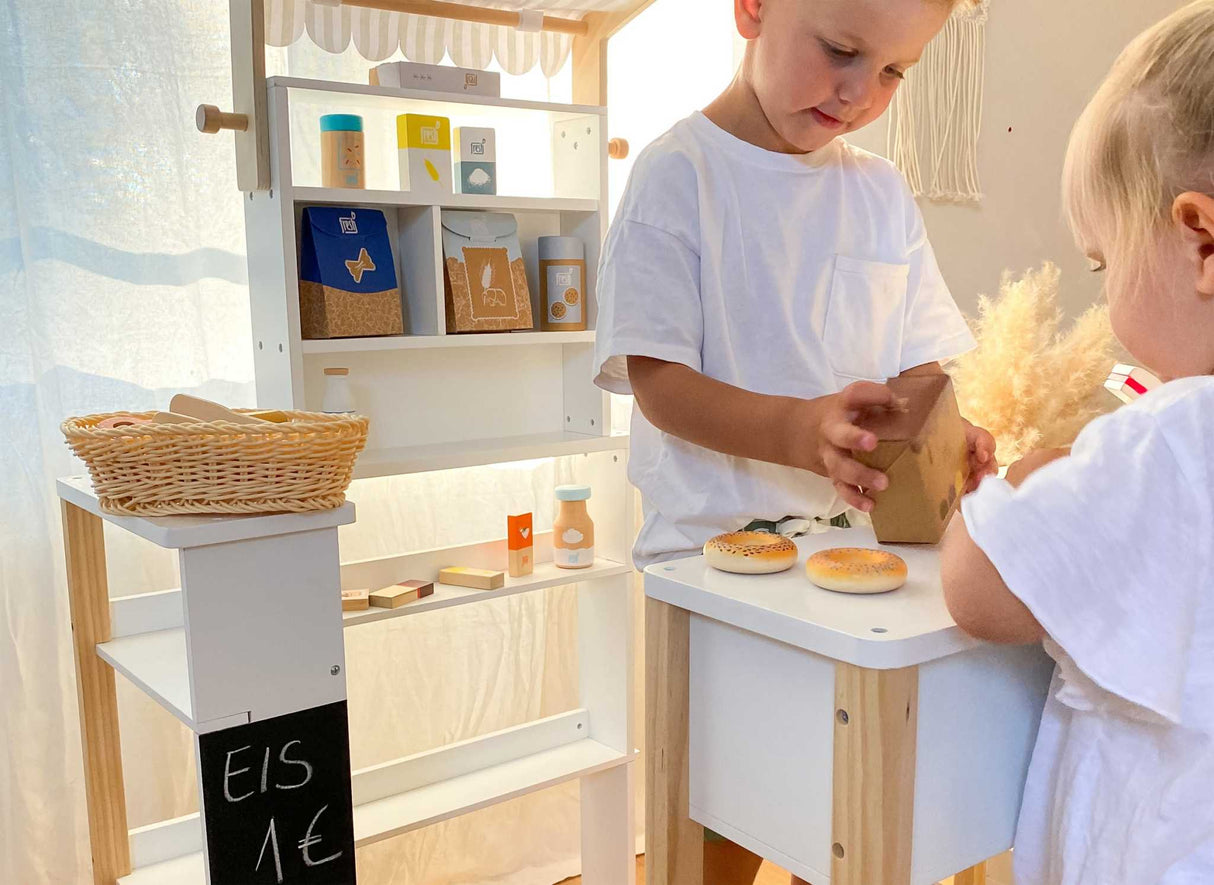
{"x": 276, "y": 800}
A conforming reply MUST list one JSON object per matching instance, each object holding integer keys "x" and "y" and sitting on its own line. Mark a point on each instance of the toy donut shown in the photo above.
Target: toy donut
{"x": 750, "y": 553}
{"x": 856, "y": 570}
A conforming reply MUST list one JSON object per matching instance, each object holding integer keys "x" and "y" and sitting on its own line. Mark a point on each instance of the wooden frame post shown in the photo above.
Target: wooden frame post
{"x": 88, "y": 598}
{"x": 876, "y": 720}
{"x": 674, "y": 843}
{"x": 249, "y": 96}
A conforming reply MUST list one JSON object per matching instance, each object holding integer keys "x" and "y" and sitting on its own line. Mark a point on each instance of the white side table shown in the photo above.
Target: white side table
{"x": 853, "y": 740}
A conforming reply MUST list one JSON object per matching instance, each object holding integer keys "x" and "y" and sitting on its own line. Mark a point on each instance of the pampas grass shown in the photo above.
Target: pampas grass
{"x": 1030, "y": 384}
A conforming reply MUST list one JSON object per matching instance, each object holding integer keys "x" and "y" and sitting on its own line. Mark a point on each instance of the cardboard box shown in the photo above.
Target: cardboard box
{"x": 924, "y": 453}
{"x": 436, "y": 78}
{"x": 520, "y": 546}
{"x": 484, "y": 275}
{"x": 347, "y": 275}
{"x": 475, "y": 160}
{"x": 423, "y": 147}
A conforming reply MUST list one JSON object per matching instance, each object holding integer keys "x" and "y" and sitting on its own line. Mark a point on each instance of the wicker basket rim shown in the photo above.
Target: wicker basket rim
{"x": 306, "y": 422}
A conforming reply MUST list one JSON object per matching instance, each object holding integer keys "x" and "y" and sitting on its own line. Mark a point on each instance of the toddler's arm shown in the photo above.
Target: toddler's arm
{"x": 977, "y": 597}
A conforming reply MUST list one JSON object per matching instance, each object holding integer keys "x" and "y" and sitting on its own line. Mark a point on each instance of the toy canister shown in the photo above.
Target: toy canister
{"x": 341, "y": 150}
{"x": 562, "y": 284}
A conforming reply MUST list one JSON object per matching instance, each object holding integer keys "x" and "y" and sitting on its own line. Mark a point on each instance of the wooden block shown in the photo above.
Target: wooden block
{"x": 520, "y": 545}
{"x": 477, "y": 578}
{"x": 921, "y": 447}
{"x": 423, "y": 588}
{"x": 400, "y": 594}
{"x": 355, "y": 600}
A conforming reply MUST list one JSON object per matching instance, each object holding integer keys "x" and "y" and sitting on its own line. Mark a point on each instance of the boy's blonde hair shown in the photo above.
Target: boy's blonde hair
{"x": 1146, "y": 138}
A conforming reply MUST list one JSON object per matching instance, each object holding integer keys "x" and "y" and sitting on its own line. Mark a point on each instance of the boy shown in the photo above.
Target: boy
{"x": 762, "y": 278}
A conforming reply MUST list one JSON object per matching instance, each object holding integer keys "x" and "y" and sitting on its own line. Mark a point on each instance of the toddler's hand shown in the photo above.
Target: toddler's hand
{"x": 982, "y": 455}
{"x": 1032, "y": 462}
{"x": 838, "y": 437}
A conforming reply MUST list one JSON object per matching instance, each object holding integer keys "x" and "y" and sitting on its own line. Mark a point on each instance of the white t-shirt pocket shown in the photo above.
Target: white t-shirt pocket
{"x": 865, "y": 315}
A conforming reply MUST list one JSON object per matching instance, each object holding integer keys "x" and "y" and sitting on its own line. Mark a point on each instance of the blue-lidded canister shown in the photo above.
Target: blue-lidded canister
{"x": 341, "y": 150}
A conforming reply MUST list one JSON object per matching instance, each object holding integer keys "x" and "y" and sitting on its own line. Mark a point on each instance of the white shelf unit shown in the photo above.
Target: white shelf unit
{"x": 535, "y": 399}
{"x": 436, "y": 401}
{"x": 208, "y": 668}
{"x": 408, "y": 810}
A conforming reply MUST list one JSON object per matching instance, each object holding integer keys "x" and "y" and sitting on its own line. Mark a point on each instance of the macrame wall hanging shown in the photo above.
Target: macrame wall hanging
{"x": 936, "y": 117}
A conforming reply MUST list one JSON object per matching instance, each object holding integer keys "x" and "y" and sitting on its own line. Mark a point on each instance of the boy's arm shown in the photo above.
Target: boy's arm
{"x": 817, "y": 434}
{"x": 977, "y": 598}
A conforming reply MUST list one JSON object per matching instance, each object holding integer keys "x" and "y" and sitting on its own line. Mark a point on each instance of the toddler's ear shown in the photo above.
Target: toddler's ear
{"x": 748, "y": 15}
{"x": 1193, "y": 215}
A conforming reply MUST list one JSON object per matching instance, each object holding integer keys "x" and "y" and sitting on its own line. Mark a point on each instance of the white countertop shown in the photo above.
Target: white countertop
{"x": 903, "y": 628}
{"x": 200, "y": 531}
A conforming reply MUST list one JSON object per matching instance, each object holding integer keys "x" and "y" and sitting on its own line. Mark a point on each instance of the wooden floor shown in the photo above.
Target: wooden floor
{"x": 769, "y": 874}
{"x": 998, "y": 873}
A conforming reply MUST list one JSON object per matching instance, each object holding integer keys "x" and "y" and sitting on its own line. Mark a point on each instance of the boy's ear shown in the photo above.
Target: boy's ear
{"x": 1193, "y": 215}
{"x": 748, "y": 16}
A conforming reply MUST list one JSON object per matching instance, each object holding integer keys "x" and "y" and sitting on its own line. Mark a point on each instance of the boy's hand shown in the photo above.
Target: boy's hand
{"x": 982, "y": 455}
{"x": 1032, "y": 462}
{"x": 837, "y": 437}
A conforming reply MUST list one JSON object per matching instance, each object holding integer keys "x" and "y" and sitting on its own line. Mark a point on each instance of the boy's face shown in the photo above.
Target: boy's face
{"x": 822, "y": 68}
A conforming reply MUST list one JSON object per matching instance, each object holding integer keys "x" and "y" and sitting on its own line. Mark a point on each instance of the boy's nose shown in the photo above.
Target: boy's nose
{"x": 858, "y": 93}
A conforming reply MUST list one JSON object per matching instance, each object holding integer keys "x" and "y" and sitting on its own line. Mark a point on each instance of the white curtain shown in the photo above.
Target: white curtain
{"x": 122, "y": 281}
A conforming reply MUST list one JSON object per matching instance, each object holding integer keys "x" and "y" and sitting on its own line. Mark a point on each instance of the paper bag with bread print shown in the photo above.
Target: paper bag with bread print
{"x": 486, "y": 283}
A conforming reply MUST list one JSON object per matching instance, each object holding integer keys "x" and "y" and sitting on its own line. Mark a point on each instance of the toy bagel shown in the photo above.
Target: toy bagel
{"x": 856, "y": 570}
{"x": 750, "y": 553}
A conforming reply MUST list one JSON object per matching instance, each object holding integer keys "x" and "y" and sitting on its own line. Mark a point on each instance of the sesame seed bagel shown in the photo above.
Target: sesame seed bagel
{"x": 751, "y": 553}
{"x": 856, "y": 570}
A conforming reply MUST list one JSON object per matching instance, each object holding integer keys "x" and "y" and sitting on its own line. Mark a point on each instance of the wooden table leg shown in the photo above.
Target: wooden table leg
{"x": 876, "y": 717}
{"x": 674, "y": 844}
{"x": 88, "y": 597}
{"x": 975, "y": 875}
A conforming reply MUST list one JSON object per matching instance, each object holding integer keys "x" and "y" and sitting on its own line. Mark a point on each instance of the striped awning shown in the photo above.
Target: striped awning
{"x": 377, "y": 34}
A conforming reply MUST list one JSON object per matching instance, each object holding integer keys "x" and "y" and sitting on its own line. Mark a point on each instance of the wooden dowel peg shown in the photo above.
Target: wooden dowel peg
{"x": 211, "y": 119}
{"x": 617, "y": 148}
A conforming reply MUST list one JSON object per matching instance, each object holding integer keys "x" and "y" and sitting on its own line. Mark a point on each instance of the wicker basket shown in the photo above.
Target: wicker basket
{"x": 218, "y": 467}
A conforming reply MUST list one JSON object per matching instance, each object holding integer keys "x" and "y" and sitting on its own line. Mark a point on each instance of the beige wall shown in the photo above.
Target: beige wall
{"x": 1044, "y": 60}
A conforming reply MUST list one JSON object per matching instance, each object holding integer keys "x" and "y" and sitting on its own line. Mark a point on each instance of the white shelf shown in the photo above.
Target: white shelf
{"x": 445, "y": 596}
{"x": 199, "y": 531}
{"x": 432, "y": 803}
{"x": 422, "y": 342}
{"x": 156, "y": 663}
{"x": 440, "y": 98}
{"x": 476, "y": 452}
{"x": 186, "y": 870}
{"x": 358, "y": 196}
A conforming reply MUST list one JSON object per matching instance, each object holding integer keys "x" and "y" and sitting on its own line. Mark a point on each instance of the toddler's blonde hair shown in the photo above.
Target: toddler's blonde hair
{"x": 1145, "y": 138}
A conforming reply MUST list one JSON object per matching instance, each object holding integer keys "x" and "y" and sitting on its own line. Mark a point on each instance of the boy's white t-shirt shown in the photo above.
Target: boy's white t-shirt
{"x": 1112, "y": 550}
{"x": 780, "y": 274}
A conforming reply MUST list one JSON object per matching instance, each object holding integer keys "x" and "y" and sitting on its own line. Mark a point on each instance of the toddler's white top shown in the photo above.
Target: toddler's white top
{"x": 1112, "y": 550}
{"x": 780, "y": 274}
